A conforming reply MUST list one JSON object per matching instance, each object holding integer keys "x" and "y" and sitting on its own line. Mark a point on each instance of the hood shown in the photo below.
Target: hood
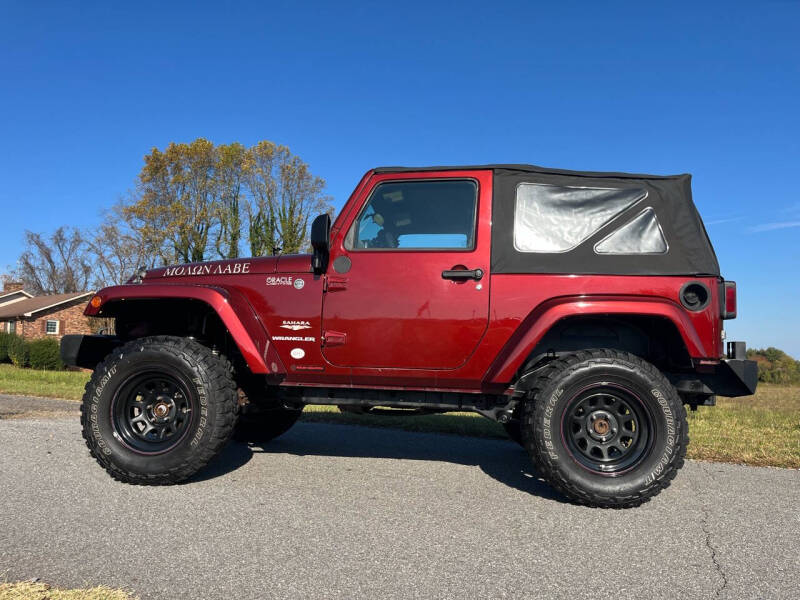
{"x": 290, "y": 263}
{"x": 294, "y": 263}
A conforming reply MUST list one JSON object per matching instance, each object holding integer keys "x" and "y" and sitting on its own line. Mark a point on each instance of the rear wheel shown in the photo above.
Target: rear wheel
{"x": 158, "y": 409}
{"x": 605, "y": 428}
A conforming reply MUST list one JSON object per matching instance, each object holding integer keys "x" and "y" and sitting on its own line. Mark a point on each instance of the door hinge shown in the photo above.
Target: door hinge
{"x": 333, "y": 338}
{"x": 335, "y": 284}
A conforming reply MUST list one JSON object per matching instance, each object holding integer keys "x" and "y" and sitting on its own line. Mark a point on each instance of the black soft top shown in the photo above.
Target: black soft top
{"x": 688, "y": 249}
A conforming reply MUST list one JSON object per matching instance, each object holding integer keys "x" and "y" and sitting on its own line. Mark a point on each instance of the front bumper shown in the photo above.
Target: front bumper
{"x": 732, "y": 376}
{"x": 86, "y": 350}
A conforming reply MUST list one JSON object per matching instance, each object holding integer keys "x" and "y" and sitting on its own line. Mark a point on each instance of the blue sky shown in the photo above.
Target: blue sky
{"x": 86, "y": 89}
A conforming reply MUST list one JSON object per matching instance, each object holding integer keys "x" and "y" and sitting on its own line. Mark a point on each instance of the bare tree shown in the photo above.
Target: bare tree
{"x": 117, "y": 249}
{"x": 55, "y": 265}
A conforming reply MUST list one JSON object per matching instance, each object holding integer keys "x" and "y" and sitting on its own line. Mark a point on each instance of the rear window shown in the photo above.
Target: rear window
{"x": 642, "y": 235}
{"x": 551, "y": 218}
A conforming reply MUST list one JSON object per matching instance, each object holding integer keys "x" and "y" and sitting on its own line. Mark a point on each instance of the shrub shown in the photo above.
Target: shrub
{"x": 5, "y": 340}
{"x": 44, "y": 354}
{"x": 18, "y": 351}
{"x": 775, "y": 366}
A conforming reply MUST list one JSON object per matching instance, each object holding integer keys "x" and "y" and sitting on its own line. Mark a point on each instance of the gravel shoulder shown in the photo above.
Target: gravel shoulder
{"x": 336, "y": 511}
{"x": 16, "y": 407}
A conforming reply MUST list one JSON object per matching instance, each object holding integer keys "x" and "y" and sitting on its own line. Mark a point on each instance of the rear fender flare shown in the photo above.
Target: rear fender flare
{"x": 233, "y": 309}
{"x": 536, "y": 325}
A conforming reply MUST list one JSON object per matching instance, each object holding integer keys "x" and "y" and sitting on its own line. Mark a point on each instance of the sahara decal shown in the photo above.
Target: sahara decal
{"x": 297, "y": 353}
{"x": 221, "y": 269}
{"x": 293, "y": 338}
{"x": 296, "y": 325}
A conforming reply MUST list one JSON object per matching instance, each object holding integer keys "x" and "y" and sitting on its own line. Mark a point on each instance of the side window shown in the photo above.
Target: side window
{"x": 408, "y": 215}
{"x": 51, "y": 327}
{"x": 642, "y": 235}
{"x": 551, "y": 218}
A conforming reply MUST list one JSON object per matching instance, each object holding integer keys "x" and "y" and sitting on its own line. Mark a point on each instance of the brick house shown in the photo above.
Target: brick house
{"x": 33, "y": 317}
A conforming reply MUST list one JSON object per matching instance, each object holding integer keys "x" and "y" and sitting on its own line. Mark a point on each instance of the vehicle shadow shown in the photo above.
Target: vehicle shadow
{"x": 501, "y": 460}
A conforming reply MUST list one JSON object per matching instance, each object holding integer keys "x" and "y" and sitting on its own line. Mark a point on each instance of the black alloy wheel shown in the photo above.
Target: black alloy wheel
{"x": 607, "y": 429}
{"x": 152, "y": 412}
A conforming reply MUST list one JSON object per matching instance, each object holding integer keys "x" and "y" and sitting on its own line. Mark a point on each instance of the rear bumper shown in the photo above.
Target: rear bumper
{"x": 86, "y": 350}
{"x": 733, "y": 376}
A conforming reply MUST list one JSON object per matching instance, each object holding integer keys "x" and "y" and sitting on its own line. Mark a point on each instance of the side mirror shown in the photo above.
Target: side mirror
{"x": 320, "y": 242}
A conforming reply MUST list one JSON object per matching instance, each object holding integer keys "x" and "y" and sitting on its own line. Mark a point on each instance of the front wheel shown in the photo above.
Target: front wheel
{"x": 158, "y": 409}
{"x": 605, "y": 428}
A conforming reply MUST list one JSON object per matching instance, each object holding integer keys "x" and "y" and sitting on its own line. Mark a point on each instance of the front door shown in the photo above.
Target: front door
{"x": 408, "y": 285}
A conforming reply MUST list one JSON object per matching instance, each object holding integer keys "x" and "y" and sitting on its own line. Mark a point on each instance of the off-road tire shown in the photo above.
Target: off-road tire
{"x": 265, "y": 424}
{"x": 209, "y": 398}
{"x": 549, "y": 427}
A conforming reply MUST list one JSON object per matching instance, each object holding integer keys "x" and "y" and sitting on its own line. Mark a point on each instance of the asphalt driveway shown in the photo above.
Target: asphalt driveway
{"x": 335, "y": 511}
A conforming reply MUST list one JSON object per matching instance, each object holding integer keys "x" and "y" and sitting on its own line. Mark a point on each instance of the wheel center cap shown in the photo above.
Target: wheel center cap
{"x": 601, "y": 425}
{"x": 162, "y": 409}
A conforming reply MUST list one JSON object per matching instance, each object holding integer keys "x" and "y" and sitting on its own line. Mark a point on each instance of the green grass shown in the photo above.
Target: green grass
{"x": 50, "y": 384}
{"x": 763, "y": 429}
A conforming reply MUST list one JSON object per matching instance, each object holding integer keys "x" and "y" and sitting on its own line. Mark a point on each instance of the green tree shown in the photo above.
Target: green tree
{"x": 775, "y": 366}
{"x": 284, "y": 195}
{"x": 196, "y": 200}
{"x": 259, "y": 168}
{"x": 176, "y": 210}
{"x": 230, "y": 188}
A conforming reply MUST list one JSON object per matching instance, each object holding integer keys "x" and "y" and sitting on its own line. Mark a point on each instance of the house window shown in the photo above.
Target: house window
{"x": 51, "y": 327}
{"x": 11, "y": 327}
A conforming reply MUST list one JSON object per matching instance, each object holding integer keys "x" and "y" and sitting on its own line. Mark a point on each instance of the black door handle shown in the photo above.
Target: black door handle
{"x": 475, "y": 274}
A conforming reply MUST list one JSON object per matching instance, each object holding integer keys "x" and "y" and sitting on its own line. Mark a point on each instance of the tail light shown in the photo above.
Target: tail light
{"x": 728, "y": 300}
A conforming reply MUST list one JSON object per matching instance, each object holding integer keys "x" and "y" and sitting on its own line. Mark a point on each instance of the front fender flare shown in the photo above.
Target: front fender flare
{"x": 536, "y": 325}
{"x": 233, "y": 309}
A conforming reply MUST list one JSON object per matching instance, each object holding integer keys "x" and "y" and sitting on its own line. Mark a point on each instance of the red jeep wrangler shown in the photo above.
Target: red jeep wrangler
{"x": 580, "y": 310}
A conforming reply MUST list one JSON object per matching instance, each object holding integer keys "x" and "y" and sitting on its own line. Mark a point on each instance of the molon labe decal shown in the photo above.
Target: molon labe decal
{"x": 236, "y": 268}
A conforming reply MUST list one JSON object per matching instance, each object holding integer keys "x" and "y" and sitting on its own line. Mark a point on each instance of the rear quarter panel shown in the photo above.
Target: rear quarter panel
{"x": 523, "y": 308}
